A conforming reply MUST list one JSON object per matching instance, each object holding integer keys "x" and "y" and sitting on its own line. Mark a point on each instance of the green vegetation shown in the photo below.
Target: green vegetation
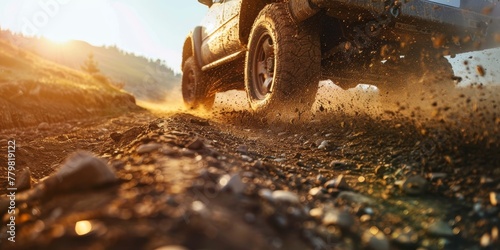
{"x": 90, "y": 65}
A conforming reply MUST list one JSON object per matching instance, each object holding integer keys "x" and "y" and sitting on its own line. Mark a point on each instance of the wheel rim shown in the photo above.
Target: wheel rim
{"x": 189, "y": 88}
{"x": 263, "y": 67}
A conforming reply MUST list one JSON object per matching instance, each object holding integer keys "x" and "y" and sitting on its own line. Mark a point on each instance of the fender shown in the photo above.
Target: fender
{"x": 197, "y": 45}
{"x": 301, "y": 10}
{"x": 187, "y": 49}
{"x": 192, "y": 46}
{"x": 249, "y": 11}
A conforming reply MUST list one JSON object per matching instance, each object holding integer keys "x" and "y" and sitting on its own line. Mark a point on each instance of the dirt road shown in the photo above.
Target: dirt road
{"x": 345, "y": 177}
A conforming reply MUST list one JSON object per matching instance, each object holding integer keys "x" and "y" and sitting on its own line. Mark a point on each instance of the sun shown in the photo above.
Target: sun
{"x": 93, "y": 21}
{"x": 59, "y": 39}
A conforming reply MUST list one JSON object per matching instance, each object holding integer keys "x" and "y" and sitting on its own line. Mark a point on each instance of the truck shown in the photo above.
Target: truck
{"x": 279, "y": 50}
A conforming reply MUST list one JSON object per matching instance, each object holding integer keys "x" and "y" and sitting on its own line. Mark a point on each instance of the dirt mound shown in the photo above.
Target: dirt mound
{"x": 24, "y": 105}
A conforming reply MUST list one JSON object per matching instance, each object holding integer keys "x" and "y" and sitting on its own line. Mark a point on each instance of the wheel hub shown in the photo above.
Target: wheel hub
{"x": 264, "y": 62}
{"x": 270, "y": 65}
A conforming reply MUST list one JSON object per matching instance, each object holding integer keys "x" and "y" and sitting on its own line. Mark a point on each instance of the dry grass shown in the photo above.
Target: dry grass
{"x": 35, "y": 90}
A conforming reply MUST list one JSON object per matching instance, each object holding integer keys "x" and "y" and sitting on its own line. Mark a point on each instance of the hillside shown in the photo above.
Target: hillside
{"x": 146, "y": 79}
{"x": 35, "y": 91}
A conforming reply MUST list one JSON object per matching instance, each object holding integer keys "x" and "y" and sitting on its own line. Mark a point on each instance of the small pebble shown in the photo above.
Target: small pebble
{"x": 338, "y": 165}
{"x": 232, "y": 183}
{"x": 258, "y": 164}
{"x": 365, "y": 218}
{"x": 477, "y": 207}
{"x": 320, "y": 179}
{"x": 375, "y": 239}
{"x": 315, "y": 191}
{"x": 196, "y": 144}
{"x": 148, "y": 148}
{"x": 338, "y": 217}
{"x": 266, "y": 194}
{"x": 494, "y": 234}
{"x": 324, "y": 145}
{"x": 200, "y": 208}
{"x": 338, "y": 182}
{"x": 243, "y": 149}
{"x": 116, "y": 137}
{"x": 316, "y": 213}
{"x": 486, "y": 180}
{"x": 361, "y": 179}
{"x": 285, "y": 196}
{"x": 369, "y": 210}
{"x": 247, "y": 158}
{"x": 485, "y": 240}
{"x": 494, "y": 198}
{"x": 415, "y": 185}
{"x": 43, "y": 126}
{"x": 354, "y": 198}
{"x": 436, "y": 176}
{"x": 23, "y": 180}
{"x": 440, "y": 229}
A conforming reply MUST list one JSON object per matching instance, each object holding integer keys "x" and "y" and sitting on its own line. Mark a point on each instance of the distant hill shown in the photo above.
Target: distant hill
{"x": 146, "y": 79}
{"x": 34, "y": 90}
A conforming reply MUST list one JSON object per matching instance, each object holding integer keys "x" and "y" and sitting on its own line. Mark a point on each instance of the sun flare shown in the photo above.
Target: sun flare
{"x": 59, "y": 40}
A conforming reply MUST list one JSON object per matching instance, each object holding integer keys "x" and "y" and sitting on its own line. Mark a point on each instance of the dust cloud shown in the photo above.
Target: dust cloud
{"x": 469, "y": 111}
{"x": 170, "y": 104}
{"x": 469, "y": 114}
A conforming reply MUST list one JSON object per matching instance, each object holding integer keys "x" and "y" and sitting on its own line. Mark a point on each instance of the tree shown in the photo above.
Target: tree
{"x": 90, "y": 65}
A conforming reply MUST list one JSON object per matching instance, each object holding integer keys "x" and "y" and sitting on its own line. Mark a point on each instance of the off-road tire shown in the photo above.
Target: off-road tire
{"x": 294, "y": 64}
{"x": 195, "y": 86}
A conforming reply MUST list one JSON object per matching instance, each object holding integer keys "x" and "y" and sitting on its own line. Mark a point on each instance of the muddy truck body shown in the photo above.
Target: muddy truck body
{"x": 278, "y": 51}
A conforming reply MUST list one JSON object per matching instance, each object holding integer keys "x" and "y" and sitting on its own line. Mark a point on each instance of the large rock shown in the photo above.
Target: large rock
{"x": 80, "y": 171}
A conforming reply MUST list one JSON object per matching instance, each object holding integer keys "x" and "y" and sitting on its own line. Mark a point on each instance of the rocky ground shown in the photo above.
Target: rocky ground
{"x": 232, "y": 180}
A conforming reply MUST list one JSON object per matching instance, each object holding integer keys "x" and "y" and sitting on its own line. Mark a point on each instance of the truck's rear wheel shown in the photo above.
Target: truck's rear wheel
{"x": 195, "y": 87}
{"x": 283, "y": 63}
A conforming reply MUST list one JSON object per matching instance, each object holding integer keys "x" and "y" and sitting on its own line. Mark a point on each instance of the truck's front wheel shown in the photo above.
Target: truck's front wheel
{"x": 283, "y": 62}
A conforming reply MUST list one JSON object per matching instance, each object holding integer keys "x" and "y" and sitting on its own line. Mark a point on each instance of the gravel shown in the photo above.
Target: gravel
{"x": 177, "y": 182}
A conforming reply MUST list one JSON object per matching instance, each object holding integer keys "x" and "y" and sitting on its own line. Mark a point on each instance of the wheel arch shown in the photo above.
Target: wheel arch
{"x": 192, "y": 47}
{"x": 187, "y": 49}
{"x": 250, "y": 9}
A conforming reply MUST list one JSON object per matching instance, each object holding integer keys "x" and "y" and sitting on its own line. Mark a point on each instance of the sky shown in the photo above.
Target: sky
{"x": 152, "y": 28}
